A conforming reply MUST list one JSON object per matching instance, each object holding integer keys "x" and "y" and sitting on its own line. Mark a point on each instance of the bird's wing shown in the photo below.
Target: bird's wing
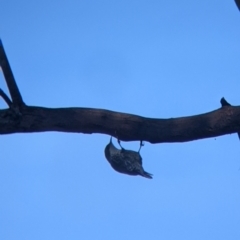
{"x": 136, "y": 157}
{"x": 132, "y": 159}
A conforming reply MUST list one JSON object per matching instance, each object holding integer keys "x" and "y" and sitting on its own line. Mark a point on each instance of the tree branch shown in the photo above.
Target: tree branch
{"x": 238, "y": 4}
{"x": 127, "y": 127}
{"x": 9, "y": 78}
{"x": 5, "y": 98}
{"x": 225, "y": 103}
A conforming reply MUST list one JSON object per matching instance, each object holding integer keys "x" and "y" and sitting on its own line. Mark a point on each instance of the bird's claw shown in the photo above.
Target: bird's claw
{"x": 141, "y": 145}
{"x": 119, "y": 143}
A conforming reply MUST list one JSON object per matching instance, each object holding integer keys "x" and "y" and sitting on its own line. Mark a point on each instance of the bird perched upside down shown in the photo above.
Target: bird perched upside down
{"x": 125, "y": 161}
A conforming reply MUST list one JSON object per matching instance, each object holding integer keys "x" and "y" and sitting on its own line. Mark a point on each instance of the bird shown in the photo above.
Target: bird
{"x": 125, "y": 161}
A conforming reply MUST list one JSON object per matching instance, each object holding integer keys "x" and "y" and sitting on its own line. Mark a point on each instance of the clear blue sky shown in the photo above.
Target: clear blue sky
{"x": 158, "y": 59}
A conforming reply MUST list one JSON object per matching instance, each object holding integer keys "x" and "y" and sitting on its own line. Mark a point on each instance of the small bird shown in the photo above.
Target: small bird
{"x": 125, "y": 161}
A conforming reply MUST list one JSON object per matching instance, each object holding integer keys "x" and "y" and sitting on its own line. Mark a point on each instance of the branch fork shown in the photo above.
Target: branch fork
{"x": 20, "y": 118}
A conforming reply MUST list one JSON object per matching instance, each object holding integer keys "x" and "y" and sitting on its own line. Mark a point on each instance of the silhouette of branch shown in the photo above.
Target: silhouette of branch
{"x": 225, "y": 103}
{"x": 126, "y": 127}
{"x": 9, "y": 78}
{"x": 5, "y": 98}
{"x": 123, "y": 126}
{"x": 238, "y": 4}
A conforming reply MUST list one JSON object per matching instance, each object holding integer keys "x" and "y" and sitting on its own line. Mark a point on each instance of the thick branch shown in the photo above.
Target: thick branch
{"x": 225, "y": 103}
{"x": 126, "y": 127}
{"x": 11, "y": 83}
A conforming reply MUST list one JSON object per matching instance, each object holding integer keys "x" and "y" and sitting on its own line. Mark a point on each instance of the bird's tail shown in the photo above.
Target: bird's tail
{"x": 147, "y": 175}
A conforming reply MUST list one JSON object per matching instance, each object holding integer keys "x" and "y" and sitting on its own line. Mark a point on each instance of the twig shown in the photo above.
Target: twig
{"x": 9, "y": 78}
{"x": 224, "y": 102}
{"x": 6, "y": 98}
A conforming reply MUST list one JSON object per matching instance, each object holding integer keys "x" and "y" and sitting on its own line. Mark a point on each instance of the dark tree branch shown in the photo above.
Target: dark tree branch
{"x": 5, "y": 98}
{"x": 225, "y": 103}
{"x": 238, "y": 4}
{"x": 11, "y": 83}
{"x": 127, "y": 127}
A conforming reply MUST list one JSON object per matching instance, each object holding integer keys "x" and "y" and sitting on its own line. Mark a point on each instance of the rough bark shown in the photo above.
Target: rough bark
{"x": 127, "y": 127}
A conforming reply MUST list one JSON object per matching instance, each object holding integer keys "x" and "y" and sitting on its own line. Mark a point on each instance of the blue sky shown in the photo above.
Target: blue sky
{"x": 158, "y": 59}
